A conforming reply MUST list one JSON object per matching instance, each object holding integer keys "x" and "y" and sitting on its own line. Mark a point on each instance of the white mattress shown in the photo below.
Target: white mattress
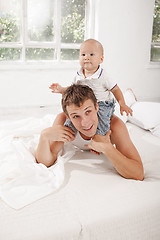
{"x": 94, "y": 202}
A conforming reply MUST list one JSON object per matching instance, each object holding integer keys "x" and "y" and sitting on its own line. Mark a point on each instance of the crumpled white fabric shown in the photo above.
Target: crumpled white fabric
{"x": 22, "y": 180}
{"x": 156, "y": 130}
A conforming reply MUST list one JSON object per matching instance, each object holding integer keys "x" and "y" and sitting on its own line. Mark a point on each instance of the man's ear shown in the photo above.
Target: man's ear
{"x": 97, "y": 107}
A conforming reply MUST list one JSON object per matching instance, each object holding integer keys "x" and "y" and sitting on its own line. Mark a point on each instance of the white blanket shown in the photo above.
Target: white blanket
{"x": 22, "y": 180}
{"x": 94, "y": 201}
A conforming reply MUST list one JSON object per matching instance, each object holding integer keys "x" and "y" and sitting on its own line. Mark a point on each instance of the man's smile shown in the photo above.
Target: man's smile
{"x": 88, "y": 129}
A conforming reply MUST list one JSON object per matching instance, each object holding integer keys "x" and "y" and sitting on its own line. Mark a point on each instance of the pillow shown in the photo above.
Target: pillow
{"x": 156, "y": 131}
{"x": 145, "y": 114}
{"x": 130, "y": 99}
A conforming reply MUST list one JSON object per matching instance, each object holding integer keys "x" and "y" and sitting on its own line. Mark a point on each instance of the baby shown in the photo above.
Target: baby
{"x": 92, "y": 75}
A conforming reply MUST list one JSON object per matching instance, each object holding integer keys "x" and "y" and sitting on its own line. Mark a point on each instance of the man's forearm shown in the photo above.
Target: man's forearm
{"x": 43, "y": 152}
{"x": 47, "y": 150}
{"x": 126, "y": 167}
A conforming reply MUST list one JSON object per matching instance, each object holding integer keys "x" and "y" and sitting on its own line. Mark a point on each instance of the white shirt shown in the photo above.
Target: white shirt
{"x": 100, "y": 82}
{"x": 79, "y": 142}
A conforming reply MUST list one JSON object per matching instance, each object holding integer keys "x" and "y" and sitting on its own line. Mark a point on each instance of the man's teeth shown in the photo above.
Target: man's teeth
{"x": 87, "y": 128}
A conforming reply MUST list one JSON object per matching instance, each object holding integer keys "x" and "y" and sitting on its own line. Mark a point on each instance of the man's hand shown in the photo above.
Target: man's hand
{"x": 100, "y": 143}
{"x": 93, "y": 151}
{"x": 125, "y": 108}
{"x": 56, "y": 88}
{"x": 59, "y": 133}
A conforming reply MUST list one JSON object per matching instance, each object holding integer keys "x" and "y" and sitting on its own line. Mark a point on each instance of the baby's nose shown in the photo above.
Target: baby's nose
{"x": 87, "y": 56}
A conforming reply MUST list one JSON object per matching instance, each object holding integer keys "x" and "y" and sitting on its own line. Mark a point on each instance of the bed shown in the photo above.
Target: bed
{"x": 82, "y": 196}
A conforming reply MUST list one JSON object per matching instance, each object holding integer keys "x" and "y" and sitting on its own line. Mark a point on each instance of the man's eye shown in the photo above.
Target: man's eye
{"x": 88, "y": 112}
{"x": 76, "y": 116}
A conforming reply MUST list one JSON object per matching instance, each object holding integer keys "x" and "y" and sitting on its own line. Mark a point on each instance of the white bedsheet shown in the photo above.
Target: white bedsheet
{"x": 93, "y": 203}
{"x": 22, "y": 180}
{"x": 156, "y": 130}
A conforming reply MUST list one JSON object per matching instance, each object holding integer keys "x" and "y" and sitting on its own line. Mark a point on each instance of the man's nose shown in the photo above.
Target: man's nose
{"x": 84, "y": 121}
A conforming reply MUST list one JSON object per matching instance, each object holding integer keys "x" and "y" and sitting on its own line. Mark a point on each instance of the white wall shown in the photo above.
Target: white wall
{"x": 31, "y": 87}
{"x": 124, "y": 28}
{"x": 125, "y": 31}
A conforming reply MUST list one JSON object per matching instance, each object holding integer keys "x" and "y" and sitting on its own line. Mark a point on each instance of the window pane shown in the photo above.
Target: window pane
{"x": 40, "y": 54}
{"x": 155, "y": 47}
{"x": 155, "y": 54}
{"x": 40, "y": 20}
{"x": 156, "y": 22}
{"x": 69, "y": 54}
{"x": 9, "y": 20}
{"x": 10, "y": 54}
{"x": 73, "y": 21}
{"x": 40, "y": 29}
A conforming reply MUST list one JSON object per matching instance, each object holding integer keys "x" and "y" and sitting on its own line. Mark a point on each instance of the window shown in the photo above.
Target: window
{"x": 155, "y": 46}
{"x": 44, "y": 30}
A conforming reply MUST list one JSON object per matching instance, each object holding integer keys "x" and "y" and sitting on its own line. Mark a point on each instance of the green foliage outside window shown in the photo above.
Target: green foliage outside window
{"x": 156, "y": 23}
{"x": 46, "y": 35}
{"x": 73, "y": 21}
{"x": 39, "y": 54}
{"x": 9, "y": 32}
{"x": 72, "y": 31}
{"x": 155, "y": 48}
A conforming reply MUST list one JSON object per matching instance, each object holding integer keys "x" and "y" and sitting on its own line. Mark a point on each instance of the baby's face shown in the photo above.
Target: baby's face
{"x": 91, "y": 56}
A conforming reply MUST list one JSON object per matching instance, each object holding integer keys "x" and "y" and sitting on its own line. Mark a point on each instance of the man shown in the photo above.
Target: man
{"x": 80, "y": 106}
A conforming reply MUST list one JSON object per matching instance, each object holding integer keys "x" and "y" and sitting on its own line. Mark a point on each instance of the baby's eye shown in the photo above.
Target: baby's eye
{"x": 83, "y": 54}
{"x": 92, "y": 54}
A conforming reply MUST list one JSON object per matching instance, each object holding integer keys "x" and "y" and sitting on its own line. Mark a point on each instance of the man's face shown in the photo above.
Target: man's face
{"x": 84, "y": 118}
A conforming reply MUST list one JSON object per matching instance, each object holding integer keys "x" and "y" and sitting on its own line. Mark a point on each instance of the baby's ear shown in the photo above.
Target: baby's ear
{"x": 102, "y": 58}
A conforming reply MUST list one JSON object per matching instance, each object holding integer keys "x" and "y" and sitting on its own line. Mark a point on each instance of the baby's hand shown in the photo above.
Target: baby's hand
{"x": 56, "y": 88}
{"x": 125, "y": 108}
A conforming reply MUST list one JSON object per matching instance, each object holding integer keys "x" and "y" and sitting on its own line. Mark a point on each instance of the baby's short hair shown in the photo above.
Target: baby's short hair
{"x": 94, "y": 41}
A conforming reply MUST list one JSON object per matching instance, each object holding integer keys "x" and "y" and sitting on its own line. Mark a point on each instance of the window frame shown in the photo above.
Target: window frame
{"x": 90, "y": 32}
{"x": 156, "y": 45}
{"x": 154, "y": 64}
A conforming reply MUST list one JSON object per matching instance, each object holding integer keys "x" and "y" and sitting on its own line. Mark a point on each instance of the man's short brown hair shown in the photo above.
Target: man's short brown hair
{"x": 76, "y": 94}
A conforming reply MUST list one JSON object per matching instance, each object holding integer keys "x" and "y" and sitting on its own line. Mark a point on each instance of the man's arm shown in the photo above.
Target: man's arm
{"x": 125, "y": 158}
{"x": 52, "y": 140}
